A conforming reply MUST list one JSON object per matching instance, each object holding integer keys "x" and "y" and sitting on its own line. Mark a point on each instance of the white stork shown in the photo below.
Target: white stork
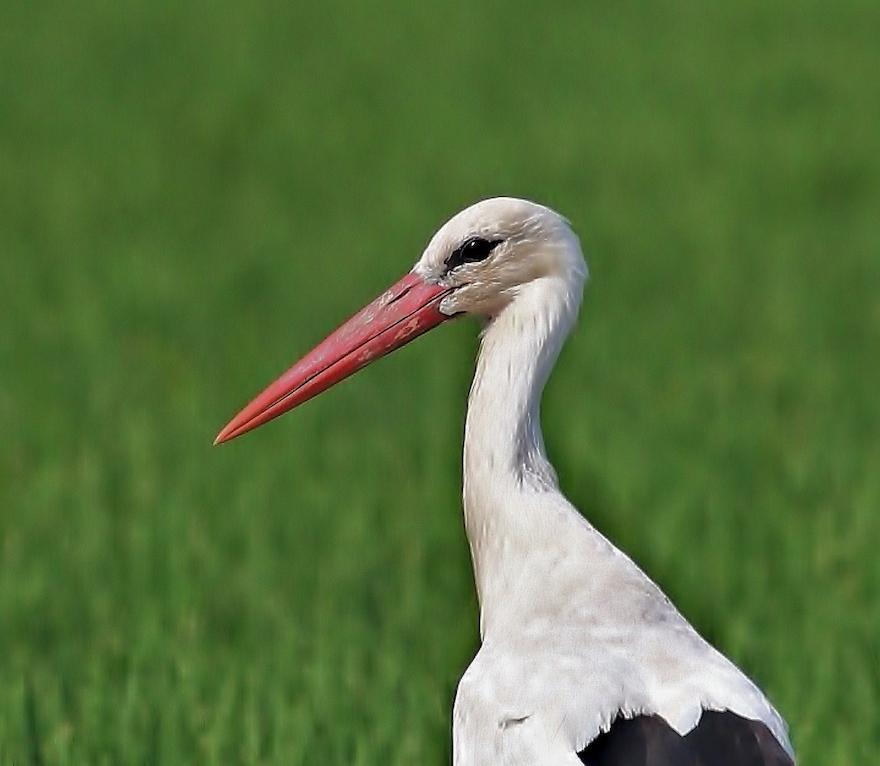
{"x": 583, "y": 659}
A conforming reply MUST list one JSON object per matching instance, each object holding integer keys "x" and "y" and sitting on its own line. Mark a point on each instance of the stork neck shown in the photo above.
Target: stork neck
{"x": 504, "y": 458}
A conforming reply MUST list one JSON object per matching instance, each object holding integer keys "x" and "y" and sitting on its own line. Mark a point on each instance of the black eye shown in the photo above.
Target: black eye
{"x": 472, "y": 250}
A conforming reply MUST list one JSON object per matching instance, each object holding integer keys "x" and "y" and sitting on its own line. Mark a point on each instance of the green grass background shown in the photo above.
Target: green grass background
{"x": 193, "y": 194}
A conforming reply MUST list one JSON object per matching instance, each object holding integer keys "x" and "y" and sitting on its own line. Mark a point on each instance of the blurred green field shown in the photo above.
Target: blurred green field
{"x": 192, "y": 195}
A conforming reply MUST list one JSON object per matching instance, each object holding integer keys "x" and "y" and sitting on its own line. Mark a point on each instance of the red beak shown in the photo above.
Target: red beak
{"x": 403, "y": 312}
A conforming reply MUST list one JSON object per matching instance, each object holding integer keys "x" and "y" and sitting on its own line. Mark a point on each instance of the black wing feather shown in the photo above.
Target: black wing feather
{"x": 646, "y": 740}
{"x": 719, "y": 739}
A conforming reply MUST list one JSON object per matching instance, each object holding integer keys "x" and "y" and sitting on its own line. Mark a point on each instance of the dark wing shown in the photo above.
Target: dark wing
{"x": 719, "y": 739}
{"x": 646, "y": 740}
{"x": 725, "y": 739}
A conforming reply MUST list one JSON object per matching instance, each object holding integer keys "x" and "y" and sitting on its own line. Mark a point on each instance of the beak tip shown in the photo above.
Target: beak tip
{"x": 224, "y": 436}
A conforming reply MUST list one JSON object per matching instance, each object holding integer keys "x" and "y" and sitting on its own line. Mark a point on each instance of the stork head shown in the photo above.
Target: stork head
{"x": 477, "y": 263}
{"x": 491, "y": 250}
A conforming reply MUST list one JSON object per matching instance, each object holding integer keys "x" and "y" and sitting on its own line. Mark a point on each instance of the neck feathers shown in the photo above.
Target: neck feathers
{"x": 505, "y": 464}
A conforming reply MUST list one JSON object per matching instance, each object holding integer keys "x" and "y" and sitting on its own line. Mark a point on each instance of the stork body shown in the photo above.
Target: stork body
{"x": 583, "y": 659}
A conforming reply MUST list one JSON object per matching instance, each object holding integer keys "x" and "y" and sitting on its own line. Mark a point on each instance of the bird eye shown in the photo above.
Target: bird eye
{"x": 471, "y": 251}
